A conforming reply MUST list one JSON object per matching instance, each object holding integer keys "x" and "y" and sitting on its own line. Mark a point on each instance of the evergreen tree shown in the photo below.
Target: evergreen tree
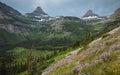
{"x": 32, "y": 63}
{"x": 3, "y": 69}
{"x": 76, "y": 44}
{"x": 87, "y": 39}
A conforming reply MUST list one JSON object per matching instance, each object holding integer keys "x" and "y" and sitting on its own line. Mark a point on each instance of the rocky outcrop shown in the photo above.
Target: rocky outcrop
{"x": 19, "y": 30}
{"x": 8, "y": 10}
{"x": 116, "y": 14}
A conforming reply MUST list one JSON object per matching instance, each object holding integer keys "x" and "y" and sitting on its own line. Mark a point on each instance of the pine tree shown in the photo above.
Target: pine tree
{"x": 32, "y": 63}
{"x": 76, "y": 44}
{"x": 87, "y": 39}
{"x": 3, "y": 69}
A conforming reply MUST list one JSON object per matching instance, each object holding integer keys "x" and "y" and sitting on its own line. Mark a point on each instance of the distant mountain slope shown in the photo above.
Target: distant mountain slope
{"x": 8, "y": 10}
{"x": 63, "y": 28}
{"x": 57, "y": 33}
{"x": 116, "y": 14}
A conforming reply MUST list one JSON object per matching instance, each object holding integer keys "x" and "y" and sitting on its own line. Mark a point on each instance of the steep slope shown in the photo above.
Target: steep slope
{"x": 6, "y": 10}
{"x": 100, "y": 58}
{"x": 108, "y": 24}
{"x": 11, "y": 25}
{"x": 12, "y": 21}
{"x": 116, "y": 14}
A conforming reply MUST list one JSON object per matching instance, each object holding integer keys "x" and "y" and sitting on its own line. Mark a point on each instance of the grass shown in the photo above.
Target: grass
{"x": 62, "y": 54}
{"x": 63, "y": 70}
{"x": 20, "y": 54}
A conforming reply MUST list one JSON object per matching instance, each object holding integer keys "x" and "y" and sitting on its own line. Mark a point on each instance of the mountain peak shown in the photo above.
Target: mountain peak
{"x": 38, "y": 11}
{"x": 90, "y": 13}
{"x": 38, "y": 14}
{"x": 39, "y": 8}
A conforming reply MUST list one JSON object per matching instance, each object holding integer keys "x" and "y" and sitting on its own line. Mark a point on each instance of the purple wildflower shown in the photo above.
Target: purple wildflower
{"x": 105, "y": 56}
{"x": 113, "y": 47}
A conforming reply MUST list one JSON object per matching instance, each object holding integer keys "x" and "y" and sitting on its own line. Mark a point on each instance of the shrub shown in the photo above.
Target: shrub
{"x": 105, "y": 35}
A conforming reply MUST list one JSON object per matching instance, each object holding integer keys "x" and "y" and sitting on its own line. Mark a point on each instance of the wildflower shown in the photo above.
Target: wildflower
{"x": 105, "y": 56}
{"x": 113, "y": 47}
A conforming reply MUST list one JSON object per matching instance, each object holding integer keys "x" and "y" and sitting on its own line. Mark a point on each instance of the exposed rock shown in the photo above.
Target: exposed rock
{"x": 91, "y": 18}
{"x": 38, "y": 15}
{"x": 90, "y": 14}
{"x": 8, "y": 10}
{"x": 15, "y": 29}
{"x": 116, "y": 14}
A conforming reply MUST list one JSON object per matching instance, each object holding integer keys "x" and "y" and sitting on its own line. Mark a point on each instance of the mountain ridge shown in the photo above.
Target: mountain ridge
{"x": 9, "y": 10}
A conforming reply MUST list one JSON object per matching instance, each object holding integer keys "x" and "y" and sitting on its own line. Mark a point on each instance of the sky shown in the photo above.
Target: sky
{"x": 65, "y": 7}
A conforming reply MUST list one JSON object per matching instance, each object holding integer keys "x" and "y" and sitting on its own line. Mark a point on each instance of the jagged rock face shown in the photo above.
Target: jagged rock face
{"x": 91, "y": 18}
{"x": 38, "y": 14}
{"x": 15, "y": 29}
{"x": 8, "y": 10}
{"x": 90, "y": 13}
{"x": 117, "y": 11}
{"x": 6, "y": 16}
{"x": 116, "y": 14}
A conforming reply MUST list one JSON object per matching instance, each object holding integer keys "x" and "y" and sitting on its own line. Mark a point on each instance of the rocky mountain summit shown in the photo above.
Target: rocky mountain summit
{"x": 90, "y": 13}
{"x": 92, "y": 18}
{"x": 38, "y": 14}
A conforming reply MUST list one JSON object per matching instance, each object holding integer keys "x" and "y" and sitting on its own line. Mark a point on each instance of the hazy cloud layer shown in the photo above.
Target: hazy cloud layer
{"x": 66, "y": 7}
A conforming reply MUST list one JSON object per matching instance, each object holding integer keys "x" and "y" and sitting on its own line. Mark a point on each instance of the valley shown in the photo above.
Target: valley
{"x": 39, "y": 44}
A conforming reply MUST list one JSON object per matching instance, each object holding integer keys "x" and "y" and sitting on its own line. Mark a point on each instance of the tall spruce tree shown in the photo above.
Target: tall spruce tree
{"x": 3, "y": 69}
{"x": 32, "y": 63}
{"x": 87, "y": 39}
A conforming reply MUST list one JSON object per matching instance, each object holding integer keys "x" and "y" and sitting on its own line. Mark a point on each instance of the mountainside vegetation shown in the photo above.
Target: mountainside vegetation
{"x": 37, "y": 44}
